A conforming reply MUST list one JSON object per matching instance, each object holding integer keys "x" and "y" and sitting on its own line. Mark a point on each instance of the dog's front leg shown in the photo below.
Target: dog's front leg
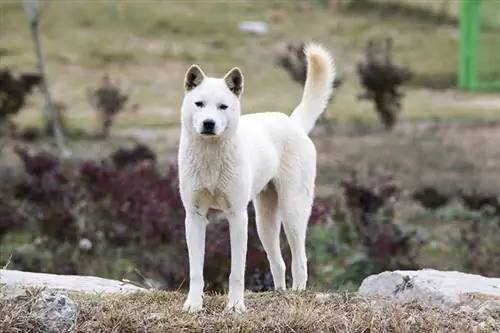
{"x": 238, "y": 226}
{"x": 195, "y": 238}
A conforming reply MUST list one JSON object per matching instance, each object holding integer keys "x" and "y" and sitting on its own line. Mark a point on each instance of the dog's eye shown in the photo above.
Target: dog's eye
{"x": 222, "y": 106}
{"x": 199, "y": 104}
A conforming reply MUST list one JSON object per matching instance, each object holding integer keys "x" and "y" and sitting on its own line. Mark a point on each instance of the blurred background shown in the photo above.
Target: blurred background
{"x": 408, "y": 172}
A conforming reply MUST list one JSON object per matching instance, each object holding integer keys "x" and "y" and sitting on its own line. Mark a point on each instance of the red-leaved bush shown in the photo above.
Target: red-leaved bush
{"x": 137, "y": 205}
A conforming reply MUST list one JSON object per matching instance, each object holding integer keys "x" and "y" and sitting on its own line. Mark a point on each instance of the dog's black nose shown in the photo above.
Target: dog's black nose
{"x": 208, "y": 126}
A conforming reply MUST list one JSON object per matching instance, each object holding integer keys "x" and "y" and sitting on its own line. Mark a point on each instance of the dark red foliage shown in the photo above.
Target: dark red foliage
{"x": 322, "y": 208}
{"x": 384, "y": 240}
{"x": 10, "y": 216}
{"x": 430, "y": 197}
{"x": 123, "y": 157}
{"x": 381, "y": 80}
{"x": 141, "y": 208}
{"x": 38, "y": 164}
{"x": 14, "y": 90}
{"x": 55, "y": 192}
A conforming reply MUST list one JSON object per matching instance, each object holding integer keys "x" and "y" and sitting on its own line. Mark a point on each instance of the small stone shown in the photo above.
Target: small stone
{"x": 85, "y": 244}
{"x": 256, "y": 27}
{"x": 322, "y": 297}
{"x": 156, "y": 316}
{"x": 58, "y": 312}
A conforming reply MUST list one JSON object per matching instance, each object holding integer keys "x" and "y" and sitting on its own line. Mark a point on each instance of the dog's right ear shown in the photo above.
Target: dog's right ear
{"x": 193, "y": 78}
{"x": 234, "y": 81}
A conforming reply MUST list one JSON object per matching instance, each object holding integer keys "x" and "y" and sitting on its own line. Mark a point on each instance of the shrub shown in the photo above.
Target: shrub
{"x": 108, "y": 100}
{"x": 11, "y": 217}
{"x": 113, "y": 216}
{"x": 13, "y": 92}
{"x": 124, "y": 204}
{"x": 371, "y": 211}
{"x": 381, "y": 80}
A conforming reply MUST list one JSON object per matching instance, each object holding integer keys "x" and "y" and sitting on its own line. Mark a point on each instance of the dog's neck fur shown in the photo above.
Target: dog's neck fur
{"x": 210, "y": 160}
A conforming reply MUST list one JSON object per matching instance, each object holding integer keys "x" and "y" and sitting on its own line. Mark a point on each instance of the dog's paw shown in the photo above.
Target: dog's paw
{"x": 236, "y": 306}
{"x": 298, "y": 287}
{"x": 193, "y": 305}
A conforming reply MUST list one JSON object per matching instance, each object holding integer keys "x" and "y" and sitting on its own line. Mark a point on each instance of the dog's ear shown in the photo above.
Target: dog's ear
{"x": 193, "y": 78}
{"x": 234, "y": 81}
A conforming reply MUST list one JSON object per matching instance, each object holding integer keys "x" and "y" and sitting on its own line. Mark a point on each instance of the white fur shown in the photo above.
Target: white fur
{"x": 265, "y": 157}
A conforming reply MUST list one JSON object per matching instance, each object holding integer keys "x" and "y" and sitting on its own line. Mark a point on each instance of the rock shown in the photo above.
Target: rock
{"x": 57, "y": 312}
{"x": 11, "y": 292}
{"x": 444, "y": 289}
{"x": 52, "y": 312}
{"x": 255, "y": 27}
{"x": 74, "y": 283}
{"x": 323, "y": 297}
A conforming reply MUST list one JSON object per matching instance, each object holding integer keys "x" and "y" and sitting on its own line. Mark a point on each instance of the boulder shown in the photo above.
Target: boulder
{"x": 72, "y": 283}
{"x": 443, "y": 289}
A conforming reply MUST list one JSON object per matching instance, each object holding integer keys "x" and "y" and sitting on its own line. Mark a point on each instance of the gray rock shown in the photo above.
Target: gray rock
{"x": 56, "y": 311}
{"x": 75, "y": 283}
{"x": 444, "y": 289}
{"x": 11, "y": 292}
{"x": 52, "y": 309}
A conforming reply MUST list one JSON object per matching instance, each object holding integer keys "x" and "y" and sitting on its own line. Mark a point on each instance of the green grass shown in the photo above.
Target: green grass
{"x": 149, "y": 45}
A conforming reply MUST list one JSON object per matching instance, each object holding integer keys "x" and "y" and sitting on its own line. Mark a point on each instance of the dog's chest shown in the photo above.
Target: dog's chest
{"x": 215, "y": 199}
{"x": 210, "y": 178}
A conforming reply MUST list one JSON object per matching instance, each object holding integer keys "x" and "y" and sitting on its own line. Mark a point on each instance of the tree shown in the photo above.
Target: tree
{"x": 53, "y": 121}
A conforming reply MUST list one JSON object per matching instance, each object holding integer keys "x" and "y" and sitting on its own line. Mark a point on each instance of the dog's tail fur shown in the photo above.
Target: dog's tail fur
{"x": 318, "y": 87}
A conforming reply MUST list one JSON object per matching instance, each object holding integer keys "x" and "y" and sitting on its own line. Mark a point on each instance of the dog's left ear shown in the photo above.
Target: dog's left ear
{"x": 234, "y": 81}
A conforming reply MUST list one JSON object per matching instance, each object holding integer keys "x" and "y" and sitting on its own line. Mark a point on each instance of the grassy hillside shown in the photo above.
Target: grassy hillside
{"x": 149, "y": 45}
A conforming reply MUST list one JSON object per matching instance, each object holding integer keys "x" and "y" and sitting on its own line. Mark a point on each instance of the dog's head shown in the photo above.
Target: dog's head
{"x": 211, "y": 106}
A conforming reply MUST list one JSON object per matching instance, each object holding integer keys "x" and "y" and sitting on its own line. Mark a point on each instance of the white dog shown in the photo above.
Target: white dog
{"x": 226, "y": 160}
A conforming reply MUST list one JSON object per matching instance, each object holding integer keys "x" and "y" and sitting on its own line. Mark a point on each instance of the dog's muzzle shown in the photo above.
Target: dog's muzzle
{"x": 208, "y": 127}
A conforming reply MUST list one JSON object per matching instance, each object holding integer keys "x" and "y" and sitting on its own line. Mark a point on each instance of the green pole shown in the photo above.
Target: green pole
{"x": 469, "y": 23}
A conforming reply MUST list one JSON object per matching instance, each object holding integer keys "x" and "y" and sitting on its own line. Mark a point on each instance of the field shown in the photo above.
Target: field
{"x": 149, "y": 45}
{"x": 444, "y": 146}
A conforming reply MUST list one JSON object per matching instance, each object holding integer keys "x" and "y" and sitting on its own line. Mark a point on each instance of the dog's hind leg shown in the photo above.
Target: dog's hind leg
{"x": 295, "y": 204}
{"x": 268, "y": 228}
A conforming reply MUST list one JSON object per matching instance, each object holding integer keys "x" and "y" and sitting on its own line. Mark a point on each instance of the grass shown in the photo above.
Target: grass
{"x": 450, "y": 157}
{"x": 267, "y": 312}
{"x": 150, "y": 44}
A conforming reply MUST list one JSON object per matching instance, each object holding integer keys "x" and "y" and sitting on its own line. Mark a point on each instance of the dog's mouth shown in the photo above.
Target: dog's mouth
{"x": 208, "y": 133}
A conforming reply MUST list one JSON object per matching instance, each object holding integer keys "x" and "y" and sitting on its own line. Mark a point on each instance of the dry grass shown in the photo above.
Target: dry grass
{"x": 268, "y": 312}
{"x": 451, "y": 157}
{"x": 150, "y": 44}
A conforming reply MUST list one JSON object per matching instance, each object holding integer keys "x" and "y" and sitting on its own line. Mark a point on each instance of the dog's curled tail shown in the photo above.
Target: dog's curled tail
{"x": 318, "y": 86}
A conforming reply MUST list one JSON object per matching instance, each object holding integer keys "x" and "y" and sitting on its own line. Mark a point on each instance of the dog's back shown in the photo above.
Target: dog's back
{"x": 274, "y": 140}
